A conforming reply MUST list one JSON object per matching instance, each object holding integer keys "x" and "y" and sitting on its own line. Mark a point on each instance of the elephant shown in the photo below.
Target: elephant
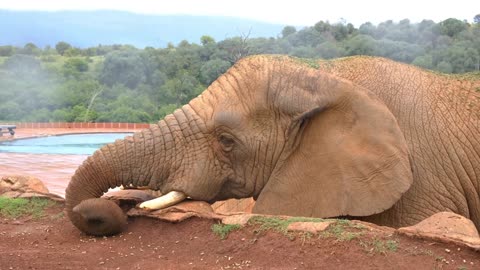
{"x": 359, "y": 137}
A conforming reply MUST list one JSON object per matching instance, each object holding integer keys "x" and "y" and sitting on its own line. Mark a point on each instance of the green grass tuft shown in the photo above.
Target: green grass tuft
{"x": 391, "y": 245}
{"x": 337, "y": 230}
{"x": 380, "y": 246}
{"x": 223, "y": 230}
{"x": 18, "y": 207}
{"x": 279, "y": 224}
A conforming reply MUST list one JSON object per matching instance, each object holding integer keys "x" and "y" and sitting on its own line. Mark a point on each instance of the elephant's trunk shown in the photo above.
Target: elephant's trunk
{"x": 134, "y": 161}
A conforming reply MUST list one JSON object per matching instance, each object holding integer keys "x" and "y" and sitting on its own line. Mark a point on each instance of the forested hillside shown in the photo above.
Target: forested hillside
{"x": 121, "y": 83}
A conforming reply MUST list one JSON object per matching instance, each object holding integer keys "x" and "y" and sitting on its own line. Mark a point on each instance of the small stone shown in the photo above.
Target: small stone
{"x": 101, "y": 263}
{"x": 312, "y": 227}
{"x": 447, "y": 250}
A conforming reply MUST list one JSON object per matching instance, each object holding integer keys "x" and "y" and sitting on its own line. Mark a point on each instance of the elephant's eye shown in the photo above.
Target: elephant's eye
{"x": 226, "y": 141}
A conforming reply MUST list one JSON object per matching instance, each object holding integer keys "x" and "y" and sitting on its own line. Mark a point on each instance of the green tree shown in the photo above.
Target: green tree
{"x": 236, "y": 48}
{"x": 288, "y": 30}
{"x": 7, "y": 50}
{"x": 360, "y": 45}
{"x": 181, "y": 89}
{"x": 212, "y": 69}
{"x": 322, "y": 27}
{"x": 445, "y": 67}
{"x": 424, "y": 61}
{"x": 329, "y": 50}
{"x": 62, "y": 46}
{"x": 451, "y": 27}
{"x": 205, "y": 40}
{"x": 30, "y": 49}
{"x": 367, "y": 29}
{"x": 476, "y": 19}
{"x": 70, "y": 52}
{"x": 74, "y": 67}
{"x": 124, "y": 67}
{"x": 23, "y": 65}
{"x": 10, "y": 110}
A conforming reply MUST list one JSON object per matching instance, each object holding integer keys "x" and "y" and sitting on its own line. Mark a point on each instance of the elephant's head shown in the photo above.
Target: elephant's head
{"x": 300, "y": 141}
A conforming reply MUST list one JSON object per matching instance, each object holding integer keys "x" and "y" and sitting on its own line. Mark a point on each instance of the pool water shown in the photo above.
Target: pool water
{"x": 74, "y": 144}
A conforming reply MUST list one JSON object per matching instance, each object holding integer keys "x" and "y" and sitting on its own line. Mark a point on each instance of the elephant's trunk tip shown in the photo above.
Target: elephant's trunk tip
{"x": 98, "y": 217}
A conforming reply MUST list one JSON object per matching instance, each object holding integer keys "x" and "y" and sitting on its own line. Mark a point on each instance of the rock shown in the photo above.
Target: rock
{"x": 237, "y": 219}
{"x": 234, "y": 206}
{"x": 446, "y": 227}
{"x": 18, "y": 186}
{"x": 22, "y": 184}
{"x": 178, "y": 212}
{"x": 311, "y": 227}
{"x": 11, "y": 194}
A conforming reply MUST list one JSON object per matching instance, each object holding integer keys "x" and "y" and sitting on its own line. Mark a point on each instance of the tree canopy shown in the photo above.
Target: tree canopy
{"x": 122, "y": 83}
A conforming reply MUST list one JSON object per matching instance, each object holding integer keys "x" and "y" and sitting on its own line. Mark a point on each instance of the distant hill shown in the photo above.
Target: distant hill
{"x": 90, "y": 28}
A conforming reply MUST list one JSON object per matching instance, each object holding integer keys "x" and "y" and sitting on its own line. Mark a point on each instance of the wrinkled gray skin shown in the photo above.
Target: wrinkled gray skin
{"x": 361, "y": 136}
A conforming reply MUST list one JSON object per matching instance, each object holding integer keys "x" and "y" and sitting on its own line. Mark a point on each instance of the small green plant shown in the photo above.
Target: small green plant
{"x": 380, "y": 246}
{"x": 338, "y": 230}
{"x": 222, "y": 230}
{"x": 391, "y": 245}
{"x": 279, "y": 224}
{"x": 17, "y": 207}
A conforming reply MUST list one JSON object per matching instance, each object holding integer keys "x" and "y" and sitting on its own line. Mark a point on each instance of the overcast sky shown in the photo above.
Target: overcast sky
{"x": 293, "y": 12}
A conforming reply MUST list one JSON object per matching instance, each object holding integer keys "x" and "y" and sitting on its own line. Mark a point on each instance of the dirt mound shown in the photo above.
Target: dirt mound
{"x": 51, "y": 242}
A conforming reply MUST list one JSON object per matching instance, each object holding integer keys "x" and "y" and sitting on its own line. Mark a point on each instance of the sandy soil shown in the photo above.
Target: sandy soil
{"x": 52, "y": 242}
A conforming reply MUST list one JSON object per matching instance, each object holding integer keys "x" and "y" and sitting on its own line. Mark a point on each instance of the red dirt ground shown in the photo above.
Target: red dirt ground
{"x": 52, "y": 242}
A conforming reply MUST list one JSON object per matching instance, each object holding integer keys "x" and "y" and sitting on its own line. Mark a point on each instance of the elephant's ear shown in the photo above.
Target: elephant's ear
{"x": 348, "y": 155}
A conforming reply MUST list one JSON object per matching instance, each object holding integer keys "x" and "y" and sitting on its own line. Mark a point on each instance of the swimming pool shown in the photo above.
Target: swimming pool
{"x": 73, "y": 144}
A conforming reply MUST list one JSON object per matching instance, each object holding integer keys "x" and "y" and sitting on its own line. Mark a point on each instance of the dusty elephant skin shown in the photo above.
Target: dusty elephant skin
{"x": 361, "y": 136}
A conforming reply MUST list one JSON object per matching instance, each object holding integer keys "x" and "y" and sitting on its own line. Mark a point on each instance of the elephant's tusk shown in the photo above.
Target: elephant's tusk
{"x": 169, "y": 199}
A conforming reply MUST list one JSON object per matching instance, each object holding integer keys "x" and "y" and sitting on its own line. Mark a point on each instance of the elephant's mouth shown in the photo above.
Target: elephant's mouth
{"x": 164, "y": 201}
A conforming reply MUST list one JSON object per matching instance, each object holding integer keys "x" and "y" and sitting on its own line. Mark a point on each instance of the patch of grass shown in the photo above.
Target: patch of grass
{"x": 380, "y": 246}
{"x": 338, "y": 230}
{"x": 58, "y": 216}
{"x": 18, "y": 207}
{"x": 279, "y": 224}
{"x": 222, "y": 230}
{"x": 391, "y": 245}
